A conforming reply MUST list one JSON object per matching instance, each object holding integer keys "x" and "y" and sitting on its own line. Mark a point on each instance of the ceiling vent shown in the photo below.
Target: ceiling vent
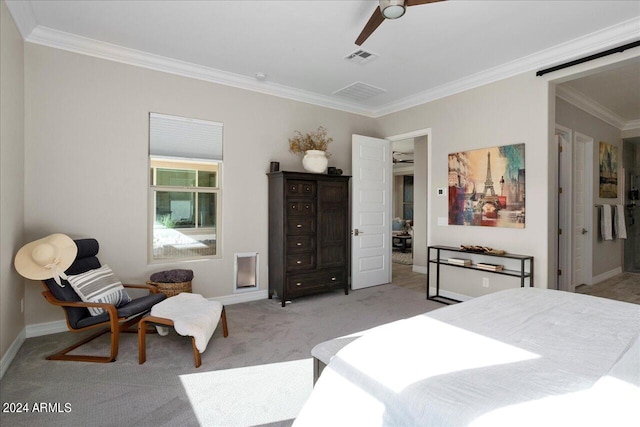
{"x": 359, "y": 91}
{"x": 361, "y": 56}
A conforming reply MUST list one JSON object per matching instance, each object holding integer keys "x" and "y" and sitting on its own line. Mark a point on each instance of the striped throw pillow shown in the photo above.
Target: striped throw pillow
{"x": 99, "y": 285}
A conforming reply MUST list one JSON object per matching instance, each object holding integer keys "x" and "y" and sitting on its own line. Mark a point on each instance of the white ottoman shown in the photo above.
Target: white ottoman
{"x": 190, "y": 315}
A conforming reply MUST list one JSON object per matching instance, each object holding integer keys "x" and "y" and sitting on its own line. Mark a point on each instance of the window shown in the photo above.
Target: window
{"x": 185, "y": 169}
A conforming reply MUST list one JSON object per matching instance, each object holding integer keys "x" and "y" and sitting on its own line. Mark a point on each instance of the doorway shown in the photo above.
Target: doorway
{"x": 412, "y": 207}
{"x": 631, "y": 162}
{"x": 402, "y": 157}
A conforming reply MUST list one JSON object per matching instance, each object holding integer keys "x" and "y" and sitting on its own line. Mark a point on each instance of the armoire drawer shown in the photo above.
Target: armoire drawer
{"x": 300, "y": 244}
{"x": 301, "y": 262}
{"x": 301, "y": 188}
{"x": 301, "y": 225}
{"x": 315, "y": 281}
{"x": 296, "y": 207}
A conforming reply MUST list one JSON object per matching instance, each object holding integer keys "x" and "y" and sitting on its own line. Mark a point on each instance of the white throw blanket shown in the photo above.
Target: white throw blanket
{"x": 192, "y": 315}
{"x": 619, "y": 225}
{"x": 605, "y": 223}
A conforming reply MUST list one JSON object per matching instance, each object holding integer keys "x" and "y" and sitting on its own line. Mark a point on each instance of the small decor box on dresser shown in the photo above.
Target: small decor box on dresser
{"x": 308, "y": 234}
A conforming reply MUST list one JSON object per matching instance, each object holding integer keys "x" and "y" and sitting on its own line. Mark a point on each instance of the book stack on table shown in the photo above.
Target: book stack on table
{"x": 459, "y": 261}
{"x": 490, "y": 267}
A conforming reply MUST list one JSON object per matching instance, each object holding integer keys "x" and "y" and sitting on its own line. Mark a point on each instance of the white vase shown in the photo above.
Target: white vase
{"x": 315, "y": 161}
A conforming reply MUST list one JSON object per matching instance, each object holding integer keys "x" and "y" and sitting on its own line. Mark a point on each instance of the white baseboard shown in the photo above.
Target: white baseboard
{"x": 604, "y": 276}
{"x": 242, "y": 297}
{"x": 46, "y": 328}
{"x": 11, "y": 353}
{"x": 419, "y": 269}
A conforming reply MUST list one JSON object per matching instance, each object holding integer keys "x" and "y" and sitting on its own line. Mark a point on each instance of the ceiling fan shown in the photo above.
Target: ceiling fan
{"x": 388, "y": 9}
{"x": 397, "y": 157}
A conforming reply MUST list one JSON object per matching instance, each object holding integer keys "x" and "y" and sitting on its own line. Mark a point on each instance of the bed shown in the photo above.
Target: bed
{"x": 520, "y": 357}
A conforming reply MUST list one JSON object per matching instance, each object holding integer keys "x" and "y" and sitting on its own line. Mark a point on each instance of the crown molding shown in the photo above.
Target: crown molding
{"x": 606, "y": 38}
{"x": 587, "y": 104}
{"x": 633, "y": 124}
{"x": 597, "y": 41}
{"x": 23, "y": 16}
{"x": 73, "y": 43}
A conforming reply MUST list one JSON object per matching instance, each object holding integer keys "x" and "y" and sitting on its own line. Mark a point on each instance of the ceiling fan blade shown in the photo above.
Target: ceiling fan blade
{"x": 373, "y": 23}
{"x": 419, "y": 2}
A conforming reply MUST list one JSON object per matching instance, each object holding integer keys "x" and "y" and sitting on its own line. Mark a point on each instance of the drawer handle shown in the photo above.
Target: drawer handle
{"x": 299, "y": 284}
{"x": 298, "y": 262}
{"x": 298, "y": 225}
{"x": 333, "y": 279}
{"x": 293, "y": 206}
{"x": 299, "y": 244}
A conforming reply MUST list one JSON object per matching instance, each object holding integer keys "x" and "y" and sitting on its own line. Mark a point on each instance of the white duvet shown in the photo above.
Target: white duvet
{"x": 523, "y": 357}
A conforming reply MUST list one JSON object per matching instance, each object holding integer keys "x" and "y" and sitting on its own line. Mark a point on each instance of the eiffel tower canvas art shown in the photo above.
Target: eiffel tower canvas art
{"x": 487, "y": 187}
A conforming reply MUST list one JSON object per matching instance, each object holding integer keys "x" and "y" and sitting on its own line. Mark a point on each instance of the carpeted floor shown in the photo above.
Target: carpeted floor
{"x": 259, "y": 375}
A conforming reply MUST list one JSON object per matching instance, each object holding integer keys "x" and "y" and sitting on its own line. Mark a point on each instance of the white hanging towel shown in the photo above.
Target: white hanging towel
{"x": 605, "y": 223}
{"x": 619, "y": 226}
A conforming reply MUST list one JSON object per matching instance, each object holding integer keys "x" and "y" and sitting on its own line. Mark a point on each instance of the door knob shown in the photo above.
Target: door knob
{"x": 357, "y": 232}
{"x": 584, "y": 231}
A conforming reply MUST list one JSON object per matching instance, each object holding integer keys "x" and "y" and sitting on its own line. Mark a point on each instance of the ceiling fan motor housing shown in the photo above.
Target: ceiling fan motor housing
{"x": 392, "y": 9}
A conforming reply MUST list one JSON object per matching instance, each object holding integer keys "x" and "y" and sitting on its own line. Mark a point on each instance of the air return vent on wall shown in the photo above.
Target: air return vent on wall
{"x": 359, "y": 91}
{"x": 361, "y": 56}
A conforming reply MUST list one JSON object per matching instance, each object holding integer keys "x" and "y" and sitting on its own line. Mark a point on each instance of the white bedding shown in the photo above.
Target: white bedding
{"x": 514, "y": 358}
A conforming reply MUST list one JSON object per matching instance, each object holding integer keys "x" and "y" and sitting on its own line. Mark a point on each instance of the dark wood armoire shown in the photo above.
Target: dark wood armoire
{"x": 309, "y": 234}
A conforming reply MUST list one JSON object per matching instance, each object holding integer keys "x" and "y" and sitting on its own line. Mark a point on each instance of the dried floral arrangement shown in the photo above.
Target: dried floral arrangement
{"x": 317, "y": 140}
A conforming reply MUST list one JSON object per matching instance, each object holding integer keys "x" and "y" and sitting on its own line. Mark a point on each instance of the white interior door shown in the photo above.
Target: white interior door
{"x": 371, "y": 212}
{"x": 582, "y": 208}
{"x": 563, "y": 139}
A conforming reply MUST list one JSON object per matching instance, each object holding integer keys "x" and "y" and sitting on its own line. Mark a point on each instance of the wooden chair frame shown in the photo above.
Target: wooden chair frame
{"x": 115, "y": 325}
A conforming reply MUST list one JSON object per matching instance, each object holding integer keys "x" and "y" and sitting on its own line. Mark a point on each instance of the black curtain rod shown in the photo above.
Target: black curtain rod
{"x": 589, "y": 58}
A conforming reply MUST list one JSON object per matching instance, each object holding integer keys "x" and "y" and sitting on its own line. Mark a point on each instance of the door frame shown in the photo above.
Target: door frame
{"x": 415, "y": 134}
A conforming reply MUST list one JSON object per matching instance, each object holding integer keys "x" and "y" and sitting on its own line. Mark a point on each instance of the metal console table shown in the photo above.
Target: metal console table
{"x": 523, "y": 273}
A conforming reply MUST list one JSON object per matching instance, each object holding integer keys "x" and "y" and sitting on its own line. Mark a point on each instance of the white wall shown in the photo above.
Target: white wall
{"x": 511, "y": 111}
{"x": 607, "y": 255}
{"x": 86, "y": 160}
{"x": 11, "y": 177}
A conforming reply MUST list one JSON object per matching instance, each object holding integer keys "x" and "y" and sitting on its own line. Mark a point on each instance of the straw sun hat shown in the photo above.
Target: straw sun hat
{"x": 46, "y": 258}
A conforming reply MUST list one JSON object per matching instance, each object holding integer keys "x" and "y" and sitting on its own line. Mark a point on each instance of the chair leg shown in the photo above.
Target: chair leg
{"x": 142, "y": 343}
{"x": 318, "y": 366}
{"x": 196, "y": 354}
{"x": 143, "y": 331}
{"x": 225, "y": 329}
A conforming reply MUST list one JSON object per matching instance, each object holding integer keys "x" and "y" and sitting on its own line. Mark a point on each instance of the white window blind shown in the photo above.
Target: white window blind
{"x": 172, "y": 136}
